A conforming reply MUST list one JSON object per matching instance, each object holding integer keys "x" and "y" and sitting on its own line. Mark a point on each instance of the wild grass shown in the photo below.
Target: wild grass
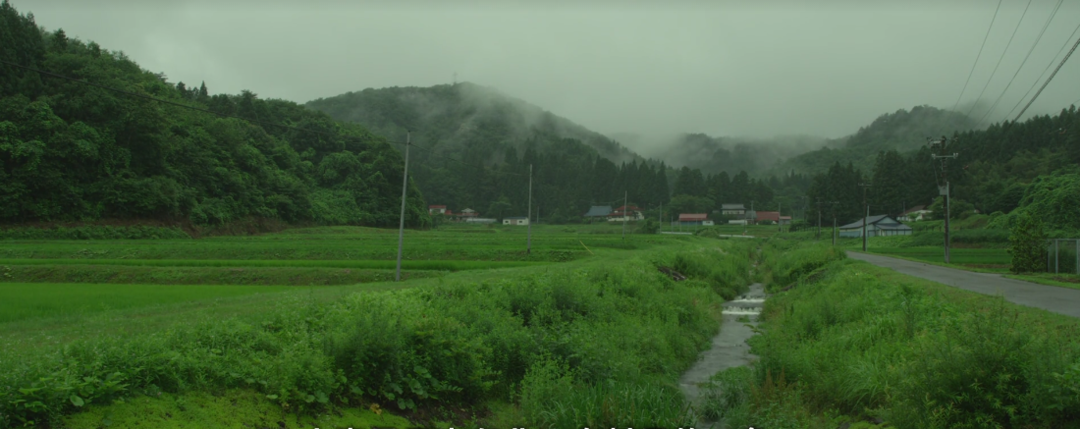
{"x": 621, "y": 328}
{"x": 33, "y": 300}
{"x": 269, "y": 276}
{"x": 985, "y": 258}
{"x": 868, "y": 343}
{"x": 447, "y": 265}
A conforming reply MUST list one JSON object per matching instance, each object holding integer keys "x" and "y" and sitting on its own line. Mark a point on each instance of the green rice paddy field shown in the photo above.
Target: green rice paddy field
{"x": 99, "y": 333}
{"x": 41, "y": 278}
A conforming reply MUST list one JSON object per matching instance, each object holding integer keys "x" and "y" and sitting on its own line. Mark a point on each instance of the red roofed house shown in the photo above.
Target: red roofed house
{"x": 770, "y": 216}
{"x": 691, "y": 219}
{"x": 623, "y": 213}
{"x": 436, "y": 209}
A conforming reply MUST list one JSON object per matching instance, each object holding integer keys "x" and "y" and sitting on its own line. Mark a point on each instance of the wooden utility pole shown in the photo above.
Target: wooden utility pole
{"x": 819, "y": 220}
{"x": 528, "y": 218}
{"x": 867, "y": 217}
{"x": 944, "y": 189}
{"x": 624, "y": 210}
{"x": 779, "y": 212}
{"x": 833, "y": 204}
{"x": 401, "y": 221}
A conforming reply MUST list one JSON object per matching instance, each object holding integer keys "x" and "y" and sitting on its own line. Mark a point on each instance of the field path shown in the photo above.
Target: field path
{"x": 1051, "y": 298}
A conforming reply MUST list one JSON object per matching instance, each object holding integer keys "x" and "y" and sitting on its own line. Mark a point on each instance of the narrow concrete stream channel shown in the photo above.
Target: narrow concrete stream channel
{"x": 729, "y": 348}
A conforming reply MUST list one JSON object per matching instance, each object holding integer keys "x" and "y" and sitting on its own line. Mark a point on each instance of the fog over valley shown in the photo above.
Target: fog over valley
{"x": 725, "y": 69}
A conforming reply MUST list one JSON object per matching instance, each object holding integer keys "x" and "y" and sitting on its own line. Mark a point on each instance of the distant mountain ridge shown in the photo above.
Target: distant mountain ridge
{"x": 457, "y": 118}
{"x": 902, "y": 130}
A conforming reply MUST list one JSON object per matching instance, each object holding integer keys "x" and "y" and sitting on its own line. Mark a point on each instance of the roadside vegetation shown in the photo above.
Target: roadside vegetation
{"x": 850, "y": 343}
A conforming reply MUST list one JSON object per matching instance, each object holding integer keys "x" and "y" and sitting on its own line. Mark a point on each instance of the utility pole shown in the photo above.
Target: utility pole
{"x": 867, "y": 217}
{"x": 528, "y": 242}
{"x": 401, "y": 221}
{"x": 779, "y": 213}
{"x": 944, "y": 190}
{"x": 819, "y": 220}
{"x": 833, "y": 205}
{"x": 624, "y": 215}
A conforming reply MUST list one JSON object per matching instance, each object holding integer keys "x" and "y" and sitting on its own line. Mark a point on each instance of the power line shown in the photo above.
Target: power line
{"x": 1030, "y": 50}
{"x": 972, "y": 109}
{"x": 1048, "y": 80}
{"x": 1051, "y": 64}
{"x": 987, "y": 36}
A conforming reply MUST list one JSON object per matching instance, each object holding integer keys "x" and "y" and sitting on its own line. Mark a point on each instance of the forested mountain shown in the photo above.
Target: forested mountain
{"x": 902, "y": 131}
{"x": 713, "y": 155}
{"x": 992, "y": 172}
{"x": 72, "y": 151}
{"x": 462, "y": 118}
{"x": 478, "y": 145}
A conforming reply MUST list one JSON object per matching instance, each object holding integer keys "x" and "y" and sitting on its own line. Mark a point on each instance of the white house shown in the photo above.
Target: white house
{"x": 734, "y": 210}
{"x": 914, "y": 214}
{"x": 515, "y": 221}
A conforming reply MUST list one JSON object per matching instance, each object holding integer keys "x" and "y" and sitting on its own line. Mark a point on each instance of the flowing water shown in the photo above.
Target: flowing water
{"x": 729, "y": 348}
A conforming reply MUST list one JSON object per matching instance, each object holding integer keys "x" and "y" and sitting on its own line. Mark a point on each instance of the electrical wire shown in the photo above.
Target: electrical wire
{"x": 1007, "y": 45}
{"x": 1063, "y": 60}
{"x": 1030, "y": 50}
{"x": 1051, "y": 64}
{"x": 987, "y": 36}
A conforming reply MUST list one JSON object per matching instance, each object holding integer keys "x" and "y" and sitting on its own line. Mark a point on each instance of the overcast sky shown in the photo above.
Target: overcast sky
{"x": 719, "y": 67}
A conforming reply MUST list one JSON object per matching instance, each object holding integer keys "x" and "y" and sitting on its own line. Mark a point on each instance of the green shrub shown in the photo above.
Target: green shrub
{"x": 622, "y": 329}
{"x": 870, "y": 343}
{"x": 1027, "y": 244}
{"x": 138, "y": 232}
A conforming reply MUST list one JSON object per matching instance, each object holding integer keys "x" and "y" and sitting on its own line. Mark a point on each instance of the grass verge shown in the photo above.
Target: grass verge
{"x": 857, "y": 344}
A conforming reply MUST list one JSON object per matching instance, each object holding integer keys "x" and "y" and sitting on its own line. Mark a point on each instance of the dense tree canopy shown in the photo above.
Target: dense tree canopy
{"x": 70, "y": 151}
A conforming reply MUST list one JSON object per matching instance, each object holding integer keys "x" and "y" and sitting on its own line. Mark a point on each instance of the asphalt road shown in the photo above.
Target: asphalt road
{"x": 1051, "y": 298}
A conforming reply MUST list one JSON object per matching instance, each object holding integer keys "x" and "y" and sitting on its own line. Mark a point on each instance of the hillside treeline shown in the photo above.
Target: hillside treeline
{"x": 75, "y": 152}
{"x": 993, "y": 171}
{"x": 474, "y": 147}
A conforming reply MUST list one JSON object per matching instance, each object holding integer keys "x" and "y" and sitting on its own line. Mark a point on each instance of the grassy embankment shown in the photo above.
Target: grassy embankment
{"x": 600, "y": 338}
{"x": 973, "y": 248}
{"x": 853, "y": 343}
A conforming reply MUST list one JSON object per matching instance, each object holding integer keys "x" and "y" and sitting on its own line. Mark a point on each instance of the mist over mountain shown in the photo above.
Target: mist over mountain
{"x": 721, "y": 154}
{"x": 461, "y": 118}
{"x": 902, "y": 131}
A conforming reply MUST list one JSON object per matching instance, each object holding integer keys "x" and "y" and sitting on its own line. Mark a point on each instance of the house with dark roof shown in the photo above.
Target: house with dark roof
{"x": 598, "y": 212}
{"x": 733, "y": 210}
{"x": 876, "y": 226}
